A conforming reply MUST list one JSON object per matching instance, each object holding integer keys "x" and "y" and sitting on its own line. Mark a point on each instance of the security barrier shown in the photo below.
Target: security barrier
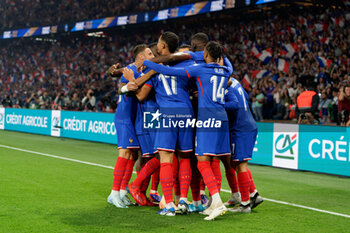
{"x": 316, "y": 148}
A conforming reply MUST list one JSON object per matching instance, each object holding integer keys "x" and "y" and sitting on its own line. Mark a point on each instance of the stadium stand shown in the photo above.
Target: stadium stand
{"x": 15, "y": 14}
{"x": 274, "y": 54}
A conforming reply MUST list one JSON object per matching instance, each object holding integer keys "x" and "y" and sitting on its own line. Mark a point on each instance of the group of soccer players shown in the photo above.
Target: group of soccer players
{"x": 213, "y": 123}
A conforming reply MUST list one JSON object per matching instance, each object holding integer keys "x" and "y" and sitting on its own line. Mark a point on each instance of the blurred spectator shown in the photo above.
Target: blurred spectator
{"x": 45, "y": 101}
{"x": 89, "y": 101}
{"x": 323, "y": 107}
{"x": 75, "y": 103}
{"x": 258, "y": 104}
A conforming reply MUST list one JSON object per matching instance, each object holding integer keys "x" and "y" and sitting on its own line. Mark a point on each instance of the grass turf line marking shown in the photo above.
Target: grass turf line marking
{"x": 224, "y": 190}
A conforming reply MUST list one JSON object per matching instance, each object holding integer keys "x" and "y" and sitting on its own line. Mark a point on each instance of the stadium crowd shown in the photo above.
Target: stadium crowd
{"x": 15, "y": 14}
{"x": 275, "y": 58}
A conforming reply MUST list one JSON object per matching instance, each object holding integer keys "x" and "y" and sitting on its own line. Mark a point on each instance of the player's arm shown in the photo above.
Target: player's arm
{"x": 114, "y": 72}
{"x": 171, "y": 71}
{"x": 171, "y": 57}
{"x": 127, "y": 86}
{"x": 228, "y": 64}
{"x": 143, "y": 92}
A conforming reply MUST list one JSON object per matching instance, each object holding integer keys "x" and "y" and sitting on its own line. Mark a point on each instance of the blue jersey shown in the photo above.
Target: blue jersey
{"x": 197, "y": 57}
{"x": 172, "y": 91}
{"x": 239, "y": 115}
{"x": 127, "y": 105}
{"x": 147, "y": 105}
{"x": 211, "y": 80}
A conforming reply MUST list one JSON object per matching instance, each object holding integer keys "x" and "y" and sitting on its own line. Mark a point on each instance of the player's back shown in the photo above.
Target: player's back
{"x": 239, "y": 115}
{"x": 211, "y": 82}
{"x": 147, "y": 105}
{"x": 127, "y": 104}
{"x": 172, "y": 91}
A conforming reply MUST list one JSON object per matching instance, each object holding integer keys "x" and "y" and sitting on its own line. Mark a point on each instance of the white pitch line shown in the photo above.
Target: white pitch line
{"x": 224, "y": 190}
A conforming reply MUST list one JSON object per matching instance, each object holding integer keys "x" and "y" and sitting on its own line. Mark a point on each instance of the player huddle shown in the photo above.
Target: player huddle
{"x": 197, "y": 117}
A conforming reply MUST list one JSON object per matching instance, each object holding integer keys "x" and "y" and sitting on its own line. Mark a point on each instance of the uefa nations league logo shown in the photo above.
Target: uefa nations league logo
{"x": 55, "y": 122}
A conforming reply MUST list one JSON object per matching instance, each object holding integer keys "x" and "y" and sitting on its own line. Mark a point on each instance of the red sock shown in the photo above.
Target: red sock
{"x": 118, "y": 174}
{"x": 147, "y": 171}
{"x": 176, "y": 177}
{"x": 208, "y": 176}
{"x": 185, "y": 174}
{"x": 167, "y": 181}
{"x": 155, "y": 179}
{"x": 244, "y": 183}
{"x": 232, "y": 180}
{"x": 145, "y": 184}
{"x": 252, "y": 187}
{"x": 128, "y": 173}
{"x": 202, "y": 185}
{"x": 215, "y": 166}
{"x": 195, "y": 184}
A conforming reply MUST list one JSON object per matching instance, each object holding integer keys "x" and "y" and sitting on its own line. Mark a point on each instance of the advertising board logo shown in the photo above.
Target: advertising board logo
{"x": 56, "y": 122}
{"x": 285, "y": 146}
{"x": 2, "y": 118}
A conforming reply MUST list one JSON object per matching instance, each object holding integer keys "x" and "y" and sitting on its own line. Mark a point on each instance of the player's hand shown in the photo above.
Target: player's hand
{"x": 129, "y": 75}
{"x": 132, "y": 86}
{"x": 195, "y": 94}
{"x": 112, "y": 69}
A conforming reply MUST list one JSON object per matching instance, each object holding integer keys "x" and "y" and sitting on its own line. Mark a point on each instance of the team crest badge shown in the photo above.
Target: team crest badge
{"x": 130, "y": 140}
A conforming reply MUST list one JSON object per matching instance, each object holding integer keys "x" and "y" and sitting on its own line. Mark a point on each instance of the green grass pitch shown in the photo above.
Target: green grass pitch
{"x": 44, "y": 194}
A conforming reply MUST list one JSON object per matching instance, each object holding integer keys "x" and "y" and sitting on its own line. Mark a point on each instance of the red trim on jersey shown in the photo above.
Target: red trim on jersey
{"x": 148, "y": 85}
{"x": 200, "y": 84}
{"x": 188, "y": 75}
{"x": 189, "y": 55}
{"x": 169, "y": 150}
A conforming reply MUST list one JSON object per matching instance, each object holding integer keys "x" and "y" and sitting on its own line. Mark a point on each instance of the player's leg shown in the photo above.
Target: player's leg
{"x": 153, "y": 193}
{"x": 132, "y": 157}
{"x": 184, "y": 151}
{"x": 232, "y": 181}
{"x": 255, "y": 198}
{"x": 243, "y": 150}
{"x": 215, "y": 166}
{"x": 167, "y": 181}
{"x": 176, "y": 179}
{"x": 118, "y": 174}
{"x": 196, "y": 205}
{"x": 244, "y": 185}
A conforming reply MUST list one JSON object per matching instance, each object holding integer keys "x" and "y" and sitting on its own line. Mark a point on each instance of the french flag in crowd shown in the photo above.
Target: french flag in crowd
{"x": 290, "y": 49}
{"x": 321, "y": 27}
{"x": 325, "y": 40}
{"x": 260, "y": 73}
{"x": 324, "y": 62}
{"x": 247, "y": 43}
{"x": 282, "y": 65}
{"x": 303, "y": 21}
{"x": 293, "y": 30}
{"x": 339, "y": 21}
{"x": 255, "y": 50}
{"x": 246, "y": 83}
{"x": 265, "y": 56}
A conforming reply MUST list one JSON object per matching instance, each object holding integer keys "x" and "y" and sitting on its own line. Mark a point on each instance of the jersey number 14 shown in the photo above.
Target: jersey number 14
{"x": 218, "y": 90}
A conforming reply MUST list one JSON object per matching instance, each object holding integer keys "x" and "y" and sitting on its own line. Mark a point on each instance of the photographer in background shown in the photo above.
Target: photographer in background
{"x": 344, "y": 105}
{"x": 89, "y": 101}
{"x": 59, "y": 101}
{"x": 307, "y": 102}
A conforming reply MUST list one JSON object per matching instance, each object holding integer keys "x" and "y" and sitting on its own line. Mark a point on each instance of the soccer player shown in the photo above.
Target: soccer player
{"x": 214, "y": 141}
{"x": 124, "y": 121}
{"x": 173, "y": 98}
{"x": 243, "y": 132}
